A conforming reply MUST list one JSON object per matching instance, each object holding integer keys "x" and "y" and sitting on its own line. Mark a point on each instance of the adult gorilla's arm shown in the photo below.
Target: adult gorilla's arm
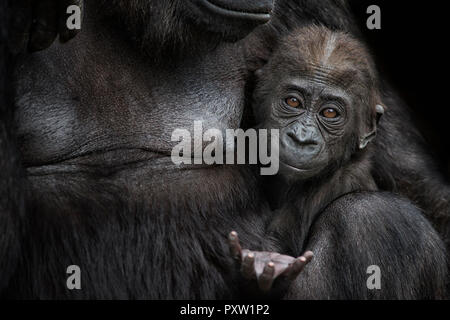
{"x": 11, "y": 200}
{"x": 35, "y": 24}
{"x": 345, "y": 243}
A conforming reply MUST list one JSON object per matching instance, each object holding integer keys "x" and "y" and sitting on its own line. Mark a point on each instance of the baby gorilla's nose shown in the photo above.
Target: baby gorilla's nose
{"x": 302, "y": 140}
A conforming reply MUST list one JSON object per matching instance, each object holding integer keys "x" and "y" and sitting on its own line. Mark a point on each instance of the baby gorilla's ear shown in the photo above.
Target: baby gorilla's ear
{"x": 380, "y": 111}
{"x": 368, "y": 137}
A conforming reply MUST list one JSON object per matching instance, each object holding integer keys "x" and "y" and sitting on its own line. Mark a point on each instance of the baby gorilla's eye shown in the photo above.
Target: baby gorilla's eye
{"x": 293, "y": 102}
{"x": 330, "y": 113}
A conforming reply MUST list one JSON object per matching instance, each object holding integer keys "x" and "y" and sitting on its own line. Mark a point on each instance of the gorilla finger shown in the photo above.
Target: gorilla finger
{"x": 235, "y": 246}
{"x": 44, "y": 29}
{"x": 248, "y": 266}
{"x": 308, "y": 255}
{"x": 298, "y": 265}
{"x": 66, "y": 33}
{"x": 266, "y": 279}
{"x": 20, "y": 21}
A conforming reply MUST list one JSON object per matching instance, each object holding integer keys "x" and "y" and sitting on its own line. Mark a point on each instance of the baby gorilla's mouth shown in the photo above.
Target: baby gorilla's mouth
{"x": 253, "y": 10}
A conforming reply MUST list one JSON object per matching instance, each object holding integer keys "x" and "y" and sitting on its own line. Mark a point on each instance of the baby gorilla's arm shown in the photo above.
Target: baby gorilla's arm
{"x": 268, "y": 270}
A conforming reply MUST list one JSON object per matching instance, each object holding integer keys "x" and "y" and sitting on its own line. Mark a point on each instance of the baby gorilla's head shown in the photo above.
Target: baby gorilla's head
{"x": 320, "y": 90}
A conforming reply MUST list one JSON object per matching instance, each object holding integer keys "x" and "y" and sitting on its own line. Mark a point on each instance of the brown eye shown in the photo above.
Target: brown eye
{"x": 293, "y": 102}
{"x": 330, "y": 113}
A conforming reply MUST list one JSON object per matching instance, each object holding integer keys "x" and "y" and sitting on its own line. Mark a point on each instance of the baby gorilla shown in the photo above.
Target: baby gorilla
{"x": 319, "y": 89}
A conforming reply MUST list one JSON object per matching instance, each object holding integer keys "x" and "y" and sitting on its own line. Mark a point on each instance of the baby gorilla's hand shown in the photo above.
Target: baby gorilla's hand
{"x": 268, "y": 269}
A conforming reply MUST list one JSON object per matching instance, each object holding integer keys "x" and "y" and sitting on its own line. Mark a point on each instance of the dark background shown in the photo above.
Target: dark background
{"x": 412, "y": 53}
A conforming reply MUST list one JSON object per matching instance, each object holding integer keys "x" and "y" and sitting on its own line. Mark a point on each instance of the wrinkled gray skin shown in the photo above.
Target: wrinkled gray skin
{"x": 94, "y": 119}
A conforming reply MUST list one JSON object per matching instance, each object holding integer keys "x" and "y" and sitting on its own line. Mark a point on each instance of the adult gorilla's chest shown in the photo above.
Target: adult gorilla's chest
{"x": 97, "y": 105}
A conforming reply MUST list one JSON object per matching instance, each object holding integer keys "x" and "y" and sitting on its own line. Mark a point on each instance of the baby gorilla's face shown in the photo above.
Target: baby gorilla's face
{"x": 318, "y": 89}
{"x": 317, "y": 127}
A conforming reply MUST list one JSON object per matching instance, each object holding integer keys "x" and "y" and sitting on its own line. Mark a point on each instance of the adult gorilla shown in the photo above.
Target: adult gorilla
{"x": 94, "y": 122}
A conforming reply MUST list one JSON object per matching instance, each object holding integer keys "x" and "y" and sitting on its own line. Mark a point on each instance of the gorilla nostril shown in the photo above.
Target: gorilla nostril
{"x": 308, "y": 142}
